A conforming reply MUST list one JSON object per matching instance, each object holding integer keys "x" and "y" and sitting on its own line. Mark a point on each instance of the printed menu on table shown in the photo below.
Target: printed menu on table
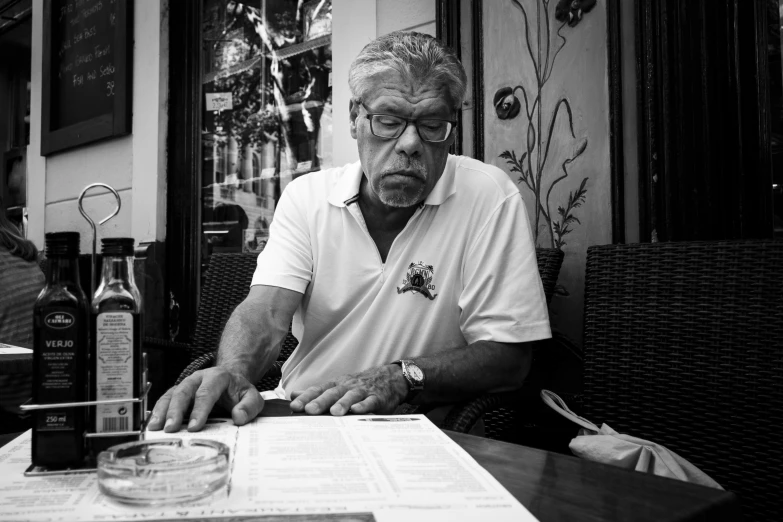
{"x": 374, "y": 468}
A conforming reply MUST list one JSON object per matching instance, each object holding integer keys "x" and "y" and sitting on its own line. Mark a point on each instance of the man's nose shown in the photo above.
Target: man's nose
{"x": 409, "y": 142}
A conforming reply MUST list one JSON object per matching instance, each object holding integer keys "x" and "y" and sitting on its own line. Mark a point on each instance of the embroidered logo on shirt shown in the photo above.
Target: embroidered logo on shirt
{"x": 419, "y": 280}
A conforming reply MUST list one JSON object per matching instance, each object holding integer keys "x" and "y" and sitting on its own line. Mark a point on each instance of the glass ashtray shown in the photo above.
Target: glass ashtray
{"x": 163, "y": 471}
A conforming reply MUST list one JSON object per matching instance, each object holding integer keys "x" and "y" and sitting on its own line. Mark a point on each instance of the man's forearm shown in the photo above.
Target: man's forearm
{"x": 482, "y": 367}
{"x": 246, "y": 347}
{"x": 251, "y": 339}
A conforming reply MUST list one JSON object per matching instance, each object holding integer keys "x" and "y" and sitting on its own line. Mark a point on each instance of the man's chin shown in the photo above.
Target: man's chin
{"x": 398, "y": 199}
{"x": 401, "y": 195}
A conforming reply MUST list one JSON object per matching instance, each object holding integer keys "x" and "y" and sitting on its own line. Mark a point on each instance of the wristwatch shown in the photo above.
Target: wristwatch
{"x": 414, "y": 375}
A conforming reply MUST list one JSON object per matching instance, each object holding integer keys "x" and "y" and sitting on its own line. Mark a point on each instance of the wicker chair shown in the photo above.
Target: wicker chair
{"x": 682, "y": 346}
{"x": 227, "y": 283}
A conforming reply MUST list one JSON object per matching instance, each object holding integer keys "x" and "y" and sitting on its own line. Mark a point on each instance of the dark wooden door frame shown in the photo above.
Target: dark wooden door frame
{"x": 445, "y": 23}
{"x": 183, "y": 211}
{"x": 616, "y": 153}
{"x": 447, "y": 16}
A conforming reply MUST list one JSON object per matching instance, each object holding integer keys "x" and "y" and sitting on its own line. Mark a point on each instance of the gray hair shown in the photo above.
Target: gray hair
{"x": 416, "y": 56}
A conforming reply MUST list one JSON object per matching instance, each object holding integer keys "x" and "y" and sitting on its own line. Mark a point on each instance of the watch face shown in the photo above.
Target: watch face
{"x": 415, "y": 373}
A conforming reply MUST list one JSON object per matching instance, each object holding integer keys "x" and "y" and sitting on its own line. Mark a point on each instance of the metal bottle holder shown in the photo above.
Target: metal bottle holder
{"x": 33, "y": 470}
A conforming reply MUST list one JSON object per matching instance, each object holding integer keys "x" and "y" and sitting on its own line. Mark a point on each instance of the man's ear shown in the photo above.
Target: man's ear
{"x": 354, "y": 110}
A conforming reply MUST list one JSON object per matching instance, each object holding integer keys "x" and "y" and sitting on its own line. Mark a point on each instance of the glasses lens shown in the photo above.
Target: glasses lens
{"x": 434, "y": 130}
{"x": 386, "y": 126}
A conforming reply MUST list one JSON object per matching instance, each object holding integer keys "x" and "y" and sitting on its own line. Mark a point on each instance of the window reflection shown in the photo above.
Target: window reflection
{"x": 267, "y": 112}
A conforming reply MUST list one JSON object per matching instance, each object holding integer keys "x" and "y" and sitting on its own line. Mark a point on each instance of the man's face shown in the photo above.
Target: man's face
{"x": 401, "y": 172}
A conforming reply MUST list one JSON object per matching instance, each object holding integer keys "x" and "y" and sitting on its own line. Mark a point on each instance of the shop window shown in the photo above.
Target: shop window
{"x": 266, "y": 112}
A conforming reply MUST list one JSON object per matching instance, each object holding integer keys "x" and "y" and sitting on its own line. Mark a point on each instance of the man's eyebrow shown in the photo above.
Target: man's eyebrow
{"x": 387, "y": 108}
{"x": 382, "y": 107}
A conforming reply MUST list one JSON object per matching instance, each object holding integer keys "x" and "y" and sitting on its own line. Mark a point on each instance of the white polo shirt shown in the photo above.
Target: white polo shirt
{"x": 462, "y": 270}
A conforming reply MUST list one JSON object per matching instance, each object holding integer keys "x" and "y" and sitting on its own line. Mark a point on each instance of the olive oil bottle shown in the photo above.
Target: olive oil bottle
{"x": 116, "y": 364}
{"x": 61, "y": 346}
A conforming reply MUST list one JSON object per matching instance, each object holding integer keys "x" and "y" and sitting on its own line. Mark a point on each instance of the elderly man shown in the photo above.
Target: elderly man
{"x": 410, "y": 276}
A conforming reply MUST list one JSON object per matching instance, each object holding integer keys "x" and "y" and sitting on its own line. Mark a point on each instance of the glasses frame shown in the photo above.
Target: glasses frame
{"x": 407, "y": 121}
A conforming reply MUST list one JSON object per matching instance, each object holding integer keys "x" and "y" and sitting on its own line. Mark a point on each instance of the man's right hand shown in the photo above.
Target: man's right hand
{"x": 199, "y": 392}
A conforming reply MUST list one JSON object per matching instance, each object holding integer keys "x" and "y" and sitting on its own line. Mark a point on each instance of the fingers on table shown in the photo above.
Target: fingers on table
{"x": 248, "y": 407}
{"x": 346, "y": 402}
{"x": 180, "y": 402}
{"x": 315, "y": 399}
{"x": 337, "y": 399}
{"x": 371, "y": 404}
{"x": 159, "y": 411}
{"x": 203, "y": 391}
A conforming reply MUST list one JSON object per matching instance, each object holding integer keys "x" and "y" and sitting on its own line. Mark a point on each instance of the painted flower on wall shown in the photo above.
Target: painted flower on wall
{"x": 572, "y": 11}
{"x": 506, "y": 104}
{"x": 535, "y": 171}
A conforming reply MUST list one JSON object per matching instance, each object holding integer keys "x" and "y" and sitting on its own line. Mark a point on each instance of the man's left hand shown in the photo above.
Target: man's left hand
{"x": 377, "y": 390}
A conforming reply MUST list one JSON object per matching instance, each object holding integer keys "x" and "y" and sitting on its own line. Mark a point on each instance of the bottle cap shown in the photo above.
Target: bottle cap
{"x": 117, "y": 246}
{"x": 62, "y": 244}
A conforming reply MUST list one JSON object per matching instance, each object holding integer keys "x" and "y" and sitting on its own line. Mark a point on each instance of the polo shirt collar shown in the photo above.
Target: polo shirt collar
{"x": 446, "y": 185}
{"x": 347, "y": 186}
{"x": 346, "y": 190}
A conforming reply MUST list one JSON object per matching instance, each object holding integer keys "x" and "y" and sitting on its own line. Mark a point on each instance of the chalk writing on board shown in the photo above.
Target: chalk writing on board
{"x": 85, "y": 69}
{"x": 87, "y": 75}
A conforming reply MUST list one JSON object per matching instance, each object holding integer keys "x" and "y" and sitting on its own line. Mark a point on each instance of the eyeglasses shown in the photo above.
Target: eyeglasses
{"x": 389, "y": 126}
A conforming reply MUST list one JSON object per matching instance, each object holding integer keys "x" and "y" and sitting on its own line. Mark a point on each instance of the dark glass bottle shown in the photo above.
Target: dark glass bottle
{"x": 116, "y": 364}
{"x": 61, "y": 344}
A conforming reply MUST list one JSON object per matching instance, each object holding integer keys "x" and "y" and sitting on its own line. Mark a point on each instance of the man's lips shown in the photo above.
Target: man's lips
{"x": 407, "y": 174}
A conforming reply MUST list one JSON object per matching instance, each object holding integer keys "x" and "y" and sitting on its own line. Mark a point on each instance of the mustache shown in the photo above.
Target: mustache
{"x": 408, "y": 166}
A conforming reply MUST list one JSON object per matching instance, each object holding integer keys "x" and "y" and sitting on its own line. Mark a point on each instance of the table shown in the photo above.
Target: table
{"x": 16, "y": 362}
{"x": 557, "y": 487}
{"x": 16, "y": 372}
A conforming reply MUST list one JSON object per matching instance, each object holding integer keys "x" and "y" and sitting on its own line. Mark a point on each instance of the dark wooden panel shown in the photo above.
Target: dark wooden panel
{"x": 447, "y": 18}
{"x": 704, "y": 146}
{"x": 616, "y": 157}
{"x": 477, "y": 6}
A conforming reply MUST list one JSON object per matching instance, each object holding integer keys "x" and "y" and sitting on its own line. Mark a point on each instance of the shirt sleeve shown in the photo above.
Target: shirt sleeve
{"x": 287, "y": 259}
{"x": 502, "y": 298}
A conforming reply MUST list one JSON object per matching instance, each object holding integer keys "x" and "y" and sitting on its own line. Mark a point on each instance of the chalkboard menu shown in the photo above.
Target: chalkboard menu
{"x": 87, "y": 67}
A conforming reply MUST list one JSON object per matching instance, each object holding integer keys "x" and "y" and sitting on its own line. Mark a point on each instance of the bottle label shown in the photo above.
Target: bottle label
{"x": 114, "y": 371}
{"x": 58, "y": 348}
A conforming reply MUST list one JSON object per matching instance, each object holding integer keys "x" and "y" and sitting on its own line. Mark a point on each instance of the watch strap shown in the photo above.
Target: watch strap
{"x": 414, "y": 386}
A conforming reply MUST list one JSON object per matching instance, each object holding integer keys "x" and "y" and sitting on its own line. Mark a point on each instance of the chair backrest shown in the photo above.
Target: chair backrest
{"x": 549, "y": 262}
{"x": 226, "y": 285}
{"x": 682, "y": 346}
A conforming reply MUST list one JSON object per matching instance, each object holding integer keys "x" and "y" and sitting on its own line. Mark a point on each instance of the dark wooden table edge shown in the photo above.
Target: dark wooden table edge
{"x": 726, "y": 502}
{"x": 17, "y": 363}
